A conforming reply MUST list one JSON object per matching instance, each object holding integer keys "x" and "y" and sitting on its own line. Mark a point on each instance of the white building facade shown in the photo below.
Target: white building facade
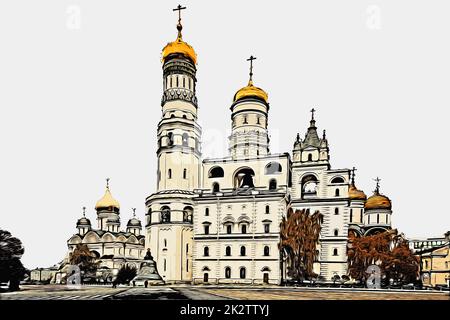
{"x": 218, "y": 220}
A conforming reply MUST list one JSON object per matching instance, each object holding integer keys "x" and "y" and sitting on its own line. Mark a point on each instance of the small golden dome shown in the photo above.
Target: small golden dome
{"x": 355, "y": 194}
{"x": 378, "y": 201}
{"x": 181, "y": 47}
{"x": 250, "y": 91}
{"x": 107, "y": 201}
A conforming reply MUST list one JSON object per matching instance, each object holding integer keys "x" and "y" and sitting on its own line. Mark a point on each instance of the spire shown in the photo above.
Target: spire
{"x": 107, "y": 183}
{"x": 84, "y": 212}
{"x": 311, "y": 138}
{"x": 179, "y": 26}
{"x": 250, "y": 81}
{"x": 298, "y": 138}
{"x": 324, "y": 135}
{"x": 134, "y": 212}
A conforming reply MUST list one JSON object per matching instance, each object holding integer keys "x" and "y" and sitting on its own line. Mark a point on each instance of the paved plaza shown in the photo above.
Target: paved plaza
{"x": 60, "y": 292}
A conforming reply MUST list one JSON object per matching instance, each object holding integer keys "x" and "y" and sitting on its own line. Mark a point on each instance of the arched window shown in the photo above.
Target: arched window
{"x": 266, "y": 228}
{"x": 336, "y": 210}
{"x": 337, "y": 192}
{"x": 267, "y": 209}
{"x": 216, "y": 172}
{"x": 184, "y": 173}
{"x": 273, "y": 168}
{"x": 228, "y": 251}
{"x": 206, "y": 251}
{"x": 273, "y": 184}
{"x": 227, "y": 272}
{"x": 335, "y": 252}
{"x": 169, "y": 138}
{"x": 337, "y": 180}
{"x": 229, "y": 229}
{"x": 165, "y": 214}
{"x": 266, "y": 251}
{"x": 215, "y": 187}
{"x": 242, "y": 273}
{"x": 185, "y": 139}
{"x": 169, "y": 174}
{"x": 243, "y": 251}
{"x": 336, "y": 232}
{"x": 206, "y": 211}
{"x": 187, "y": 214}
{"x": 244, "y": 229}
{"x": 309, "y": 157}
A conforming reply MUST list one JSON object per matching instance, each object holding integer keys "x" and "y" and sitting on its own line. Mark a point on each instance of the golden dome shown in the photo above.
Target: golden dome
{"x": 181, "y": 47}
{"x": 355, "y": 194}
{"x": 378, "y": 201}
{"x": 107, "y": 201}
{"x": 250, "y": 91}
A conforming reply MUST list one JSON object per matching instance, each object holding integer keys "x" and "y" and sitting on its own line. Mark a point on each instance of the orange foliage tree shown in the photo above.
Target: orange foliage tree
{"x": 299, "y": 232}
{"x": 389, "y": 250}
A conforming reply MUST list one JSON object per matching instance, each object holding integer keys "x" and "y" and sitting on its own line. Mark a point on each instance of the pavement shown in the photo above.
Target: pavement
{"x": 186, "y": 292}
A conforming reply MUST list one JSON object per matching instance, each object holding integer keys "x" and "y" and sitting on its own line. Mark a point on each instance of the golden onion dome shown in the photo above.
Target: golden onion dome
{"x": 107, "y": 201}
{"x": 355, "y": 194}
{"x": 250, "y": 91}
{"x": 378, "y": 201}
{"x": 180, "y": 47}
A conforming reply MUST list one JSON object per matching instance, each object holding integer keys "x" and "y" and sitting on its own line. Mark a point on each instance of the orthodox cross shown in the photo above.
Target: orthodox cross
{"x": 312, "y": 113}
{"x": 377, "y": 180}
{"x": 134, "y": 212}
{"x": 107, "y": 183}
{"x": 251, "y": 66}
{"x": 84, "y": 211}
{"x": 179, "y": 8}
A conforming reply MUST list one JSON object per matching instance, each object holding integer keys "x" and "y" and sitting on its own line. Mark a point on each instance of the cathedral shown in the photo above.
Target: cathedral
{"x": 111, "y": 246}
{"x": 217, "y": 221}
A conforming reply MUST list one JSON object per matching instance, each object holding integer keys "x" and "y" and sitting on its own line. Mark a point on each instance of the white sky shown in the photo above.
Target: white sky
{"x": 80, "y": 105}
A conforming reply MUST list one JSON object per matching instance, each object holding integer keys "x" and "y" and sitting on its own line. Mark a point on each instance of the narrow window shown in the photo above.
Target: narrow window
{"x": 351, "y": 215}
{"x": 266, "y": 251}
{"x": 361, "y": 216}
{"x": 165, "y": 243}
{"x": 228, "y": 251}
{"x": 243, "y": 251}
{"x": 216, "y": 187}
{"x": 227, "y": 272}
{"x": 335, "y": 252}
{"x": 165, "y": 265}
{"x": 177, "y": 82}
{"x": 169, "y": 173}
{"x": 309, "y": 157}
{"x": 207, "y": 212}
{"x": 206, "y": 251}
{"x": 336, "y": 210}
{"x": 266, "y": 228}
{"x": 187, "y": 247}
{"x": 244, "y": 229}
{"x": 267, "y": 209}
{"x": 336, "y": 232}
{"x": 242, "y": 273}
{"x": 171, "y": 82}
{"x": 273, "y": 184}
{"x": 245, "y": 120}
{"x": 229, "y": 229}
{"x": 336, "y": 193}
{"x": 184, "y": 82}
{"x": 206, "y": 227}
{"x": 187, "y": 265}
{"x": 378, "y": 218}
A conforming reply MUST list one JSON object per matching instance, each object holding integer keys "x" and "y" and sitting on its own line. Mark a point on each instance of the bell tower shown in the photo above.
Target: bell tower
{"x": 170, "y": 209}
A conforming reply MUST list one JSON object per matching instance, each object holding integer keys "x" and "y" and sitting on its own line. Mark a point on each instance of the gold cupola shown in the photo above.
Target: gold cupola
{"x": 251, "y": 91}
{"x": 107, "y": 201}
{"x": 179, "y": 46}
{"x": 377, "y": 200}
